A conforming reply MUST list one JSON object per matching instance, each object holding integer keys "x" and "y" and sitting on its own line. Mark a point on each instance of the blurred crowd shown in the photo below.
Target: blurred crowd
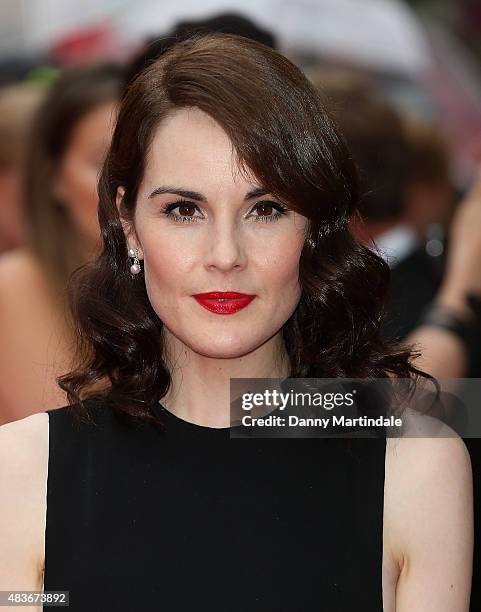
{"x": 55, "y": 125}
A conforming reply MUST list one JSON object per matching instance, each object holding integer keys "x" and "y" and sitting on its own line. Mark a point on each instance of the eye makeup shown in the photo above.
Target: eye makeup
{"x": 168, "y": 209}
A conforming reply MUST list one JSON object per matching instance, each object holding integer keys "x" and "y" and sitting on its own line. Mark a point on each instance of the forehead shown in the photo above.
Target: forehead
{"x": 189, "y": 145}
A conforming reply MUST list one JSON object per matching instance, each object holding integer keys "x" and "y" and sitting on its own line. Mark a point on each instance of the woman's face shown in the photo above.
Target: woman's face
{"x": 76, "y": 182}
{"x": 220, "y": 237}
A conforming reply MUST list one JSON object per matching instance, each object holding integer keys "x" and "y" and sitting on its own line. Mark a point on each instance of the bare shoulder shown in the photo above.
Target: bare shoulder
{"x": 428, "y": 446}
{"x": 24, "y": 448}
{"x": 23, "y": 438}
{"x": 416, "y": 463}
{"x": 428, "y": 516}
{"x": 429, "y": 462}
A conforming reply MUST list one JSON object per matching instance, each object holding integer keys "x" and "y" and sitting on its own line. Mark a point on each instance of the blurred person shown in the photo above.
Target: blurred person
{"x": 226, "y": 174}
{"x": 70, "y": 136}
{"x": 18, "y": 103}
{"x": 406, "y": 190}
{"x": 430, "y": 199}
{"x": 377, "y": 137}
{"x": 449, "y": 330}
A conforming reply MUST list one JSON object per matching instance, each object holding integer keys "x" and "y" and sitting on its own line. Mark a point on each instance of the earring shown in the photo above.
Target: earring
{"x": 135, "y": 267}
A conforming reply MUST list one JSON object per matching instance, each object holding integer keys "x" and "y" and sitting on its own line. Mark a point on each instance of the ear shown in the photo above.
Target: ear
{"x": 127, "y": 226}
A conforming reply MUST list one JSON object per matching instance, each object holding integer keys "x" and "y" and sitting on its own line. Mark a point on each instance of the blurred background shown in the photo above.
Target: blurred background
{"x": 401, "y": 78}
{"x": 424, "y": 54}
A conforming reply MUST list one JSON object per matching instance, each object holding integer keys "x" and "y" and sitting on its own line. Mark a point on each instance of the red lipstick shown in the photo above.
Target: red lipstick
{"x": 224, "y": 302}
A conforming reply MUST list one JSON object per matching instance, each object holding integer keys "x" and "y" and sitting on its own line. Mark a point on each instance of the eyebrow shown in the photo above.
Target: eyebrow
{"x": 194, "y": 195}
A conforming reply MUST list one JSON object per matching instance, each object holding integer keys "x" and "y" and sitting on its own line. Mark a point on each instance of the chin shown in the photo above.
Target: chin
{"x": 228, "y": 348}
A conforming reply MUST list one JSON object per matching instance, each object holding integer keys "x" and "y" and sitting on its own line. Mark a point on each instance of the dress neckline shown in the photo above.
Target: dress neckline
{"x": 180, "y": 422}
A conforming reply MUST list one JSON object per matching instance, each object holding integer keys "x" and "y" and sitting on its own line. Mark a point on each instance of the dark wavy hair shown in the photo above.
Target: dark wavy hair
{"x": 282, "y": 134}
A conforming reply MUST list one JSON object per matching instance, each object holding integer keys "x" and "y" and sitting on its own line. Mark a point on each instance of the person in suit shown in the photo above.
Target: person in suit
{"x": 383, "y": 149}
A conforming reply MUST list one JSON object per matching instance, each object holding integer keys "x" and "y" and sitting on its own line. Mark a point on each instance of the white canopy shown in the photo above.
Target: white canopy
{"x": 378, "y": 33}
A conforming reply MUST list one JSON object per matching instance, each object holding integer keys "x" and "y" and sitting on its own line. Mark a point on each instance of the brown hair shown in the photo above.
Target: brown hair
{"x": 282, "y": 134}
{"x": 51, "y": 235}
{"x": 18, "y": 103}
{"x": 429, "y": 152}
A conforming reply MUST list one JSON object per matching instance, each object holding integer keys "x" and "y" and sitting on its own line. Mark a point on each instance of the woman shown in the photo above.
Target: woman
{"x": 67, "y": 147}
{"x": 226, "y": 174}
{"x": 18, "y": 103}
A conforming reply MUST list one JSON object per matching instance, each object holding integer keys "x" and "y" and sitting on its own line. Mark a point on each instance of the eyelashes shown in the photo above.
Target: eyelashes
{"x": 168, "y": 209}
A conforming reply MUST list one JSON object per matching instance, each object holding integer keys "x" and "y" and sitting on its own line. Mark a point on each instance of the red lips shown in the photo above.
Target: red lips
{"x": 224, "y": 302}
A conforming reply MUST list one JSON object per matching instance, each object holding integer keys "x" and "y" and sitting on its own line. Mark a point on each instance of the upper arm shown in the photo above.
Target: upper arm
{"x": 443, "y": 354}
{"x": 19, "y": 348}
{"x": 23, "y": 489}
{"x": 429, "y": 514}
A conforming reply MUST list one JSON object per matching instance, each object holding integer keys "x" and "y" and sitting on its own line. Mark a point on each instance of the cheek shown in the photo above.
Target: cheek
{"x": 278, "y": 266}
{"x": 168, "y": 264}
{"x": 174, "y": 270}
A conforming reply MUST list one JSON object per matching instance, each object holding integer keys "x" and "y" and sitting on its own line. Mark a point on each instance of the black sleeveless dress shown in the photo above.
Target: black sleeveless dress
{"x": 191, "y": 519}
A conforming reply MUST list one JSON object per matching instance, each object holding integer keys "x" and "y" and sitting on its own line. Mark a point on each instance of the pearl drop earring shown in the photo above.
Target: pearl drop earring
{"x": 135, "y": 267}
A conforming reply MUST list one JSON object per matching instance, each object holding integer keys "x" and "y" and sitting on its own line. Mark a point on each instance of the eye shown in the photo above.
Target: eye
{"x": 270, "y": 211}
{"x": 186, "y": 211}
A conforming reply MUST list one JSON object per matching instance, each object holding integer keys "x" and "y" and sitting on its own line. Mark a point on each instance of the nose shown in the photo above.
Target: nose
{"x": 225, "y": 246}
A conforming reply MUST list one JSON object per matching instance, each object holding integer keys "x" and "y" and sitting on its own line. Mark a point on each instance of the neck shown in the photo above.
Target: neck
{"x": 200, "y": 390}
